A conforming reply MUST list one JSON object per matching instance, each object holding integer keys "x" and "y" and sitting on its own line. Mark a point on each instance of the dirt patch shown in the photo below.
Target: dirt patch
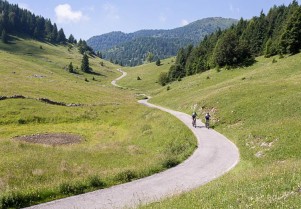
{"x": 55, "y": 139}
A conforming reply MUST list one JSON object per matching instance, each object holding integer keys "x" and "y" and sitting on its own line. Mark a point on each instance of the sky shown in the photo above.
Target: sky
{"x": 86, "y": 18}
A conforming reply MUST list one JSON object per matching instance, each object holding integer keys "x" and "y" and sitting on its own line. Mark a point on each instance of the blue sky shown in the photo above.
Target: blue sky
{"x": 87, "y": 18}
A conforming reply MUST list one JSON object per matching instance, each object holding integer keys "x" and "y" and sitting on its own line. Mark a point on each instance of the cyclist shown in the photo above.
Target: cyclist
{"x": 207, "y": 118}
{"x": 194, "y": 115}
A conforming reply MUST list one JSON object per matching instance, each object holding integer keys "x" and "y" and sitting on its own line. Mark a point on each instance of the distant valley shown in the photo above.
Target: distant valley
{"x": 131, "y": 49}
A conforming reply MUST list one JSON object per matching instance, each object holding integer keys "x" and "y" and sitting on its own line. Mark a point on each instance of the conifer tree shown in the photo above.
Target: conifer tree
{"x": 291, "y": 39}
{"x": 70, "y": 68}
{"x": 61, "y": 38}
{"x": 4, "y": 36}
{"x": 85, "y": 64}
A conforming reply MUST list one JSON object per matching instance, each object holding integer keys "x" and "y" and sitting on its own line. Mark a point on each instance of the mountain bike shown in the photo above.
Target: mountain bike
{"x": 194, "y": 122}
{"x": 207, "y": 124}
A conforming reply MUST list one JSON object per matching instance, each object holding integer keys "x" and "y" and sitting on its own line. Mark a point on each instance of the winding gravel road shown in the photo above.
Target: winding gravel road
{"x": 214, "y": 156}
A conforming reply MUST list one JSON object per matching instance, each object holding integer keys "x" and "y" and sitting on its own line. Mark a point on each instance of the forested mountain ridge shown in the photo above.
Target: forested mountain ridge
{"x": 122, "y": 48}
{"x": 276, "y": 33}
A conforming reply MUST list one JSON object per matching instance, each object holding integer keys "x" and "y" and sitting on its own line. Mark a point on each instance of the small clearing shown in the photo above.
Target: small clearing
{"x": 54, "y": 139}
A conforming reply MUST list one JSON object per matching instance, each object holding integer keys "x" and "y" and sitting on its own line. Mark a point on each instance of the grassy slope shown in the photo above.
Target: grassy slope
{"x": 258, "y": 108}
{"x": 123, "y": 139}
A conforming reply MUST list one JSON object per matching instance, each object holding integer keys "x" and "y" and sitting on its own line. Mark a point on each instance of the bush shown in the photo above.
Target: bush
{"x": 170, "y": 162}
{"x": 126, "y": 176}
{"x": 22, "y": 121}
{"x": 95, "y": 182}
{"x": 168, "y": 88}
{"x": 18, "y": 200}
{"x": 68, "y": 188}
{"x": 163, "y": 78}
{"x": 138, "y": 78}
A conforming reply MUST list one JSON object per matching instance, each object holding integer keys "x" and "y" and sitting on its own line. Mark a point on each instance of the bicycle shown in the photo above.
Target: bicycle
{"x": 194, "y": 122}
{"x": 207, "y": 124}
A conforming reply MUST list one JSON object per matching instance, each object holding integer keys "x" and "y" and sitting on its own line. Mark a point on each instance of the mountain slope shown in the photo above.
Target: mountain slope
{"x": 132, "y": 48}
{"x": 258, "y": 108}
{"x": 112, "y": 149}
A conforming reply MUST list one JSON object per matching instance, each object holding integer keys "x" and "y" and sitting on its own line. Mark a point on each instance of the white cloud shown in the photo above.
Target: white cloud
{"x": 233, "y": 9}
{"x": 184, "y": 22}
{"x": 64, "y": 14}
{"x": 111, "y": 11}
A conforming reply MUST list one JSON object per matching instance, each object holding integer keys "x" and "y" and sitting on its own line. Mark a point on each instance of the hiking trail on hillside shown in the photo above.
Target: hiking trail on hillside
{"x": 214, "y": 156}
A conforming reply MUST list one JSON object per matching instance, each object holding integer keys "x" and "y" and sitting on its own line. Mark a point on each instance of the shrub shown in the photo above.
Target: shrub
{"x": 170, "y": 162}
{"x": 168, "y": 88}
{"x": 126, "y": 176}
{"x": 138, "y": 78}
{"x": 68, "y": 188}
{"x": 163, "y": 78}
{"x": 95, "y": 182}
{"x": 18, "y": 200}
{"x": 22, "y": 121}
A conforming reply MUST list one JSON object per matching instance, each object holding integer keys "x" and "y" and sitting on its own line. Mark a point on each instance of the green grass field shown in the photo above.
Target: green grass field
{"x": 258, "y": 108}
{"x": 122, "y": 139}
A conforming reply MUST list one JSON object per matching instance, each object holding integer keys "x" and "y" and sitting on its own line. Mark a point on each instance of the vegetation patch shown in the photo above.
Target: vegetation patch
{"x": 54, "y": 139}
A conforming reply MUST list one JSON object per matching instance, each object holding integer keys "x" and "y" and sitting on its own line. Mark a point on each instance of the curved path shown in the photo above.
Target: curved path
{"x": 214, "y": 156}
{"x": 117, "y": 79}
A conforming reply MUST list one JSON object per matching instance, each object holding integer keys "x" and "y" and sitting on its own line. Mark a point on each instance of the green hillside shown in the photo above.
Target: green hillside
{"x": 258, "y": 108}
{"x": 113, "y": 149}
{"x": 131, "y": 49}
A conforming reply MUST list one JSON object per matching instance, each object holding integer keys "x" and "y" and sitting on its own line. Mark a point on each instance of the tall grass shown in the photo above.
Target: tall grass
{"x": 258, "y": 108}
{"x": 121, "y": 137}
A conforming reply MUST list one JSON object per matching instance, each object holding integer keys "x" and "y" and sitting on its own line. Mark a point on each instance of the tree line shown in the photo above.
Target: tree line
{"x": 277, "y": 33}
{"x": 17, "y": 21}
{"x": 132, "y": 49}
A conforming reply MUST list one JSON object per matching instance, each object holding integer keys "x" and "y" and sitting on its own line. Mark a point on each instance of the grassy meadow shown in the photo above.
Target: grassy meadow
{"x": 122, "y": 140}
{"x": 258, "y": 108}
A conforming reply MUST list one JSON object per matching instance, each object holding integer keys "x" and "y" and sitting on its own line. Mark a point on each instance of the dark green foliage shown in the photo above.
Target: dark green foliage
{"x": 85, "y": 67}
{"x": 96, "y": 182}
{"x": 84, "y": 48}
{"x": 158, "y": 62}
{"x": 170, "y": 162}
{"x": 132, "y": 49}
{"x": 20, "y": 200}
{"x": 70, "y": 68}
{"x": 4, "y": 36}
{"x": 75, "y": 188}
{"x": 61, "y": 38}
{"x": 137, "y": 51}
{"x": 229, "y": 51}
{"x": 138, "y": 78}
{"x": 279, "y": 32}
{"x": 291, "y": 38}
{"x": 71, "y": 39}
{"x": 126, "y": 176}
{"x": 163, "y": 78}
{"x": 17, "y": 21}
